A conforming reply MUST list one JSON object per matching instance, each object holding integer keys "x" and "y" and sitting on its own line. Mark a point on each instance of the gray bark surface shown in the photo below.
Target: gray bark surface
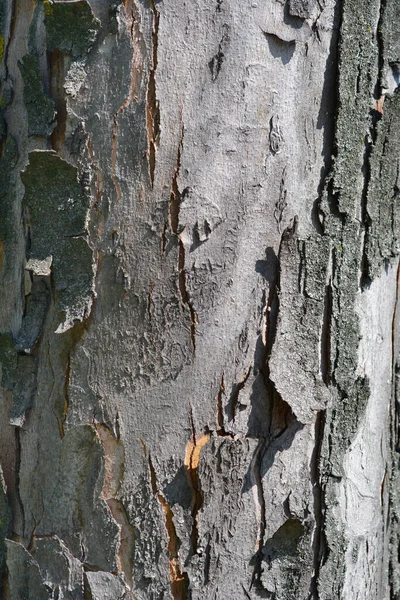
{"x": 199, "y": 273}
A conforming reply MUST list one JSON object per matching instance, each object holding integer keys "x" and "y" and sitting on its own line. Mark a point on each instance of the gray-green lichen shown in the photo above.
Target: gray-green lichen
{"x": 39, "y": 107}
{"x": 71, "y": 27}
{"x": 383, "y": 204}
{"x": 358, "y": 72}
{"x": 57, "y": 210}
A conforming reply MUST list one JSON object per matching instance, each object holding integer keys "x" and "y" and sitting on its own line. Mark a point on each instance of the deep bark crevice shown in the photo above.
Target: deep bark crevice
{"x": 58, "y": 64}
{"x": 17, "y": 485}
{"x": 179, "y": 578}
{"x": 152, "y": 105}
{"x": 192, "y": 459}
{"x": 233, "y": 402}
{"x": 318, "y": 538}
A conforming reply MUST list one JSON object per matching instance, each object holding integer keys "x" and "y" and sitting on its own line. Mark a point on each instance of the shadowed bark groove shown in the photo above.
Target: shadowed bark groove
{"x": 152, "y": 108}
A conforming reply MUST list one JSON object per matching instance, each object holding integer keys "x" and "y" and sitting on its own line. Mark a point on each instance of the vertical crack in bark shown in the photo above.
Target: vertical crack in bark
{"x": 176, "y": 197}
{"x": 174, "y": 208}
{"x": 318, "y": 540}
{"x": 261, "y": 510}
{"x": 114, "y": 459}
{"x": 395, "y": 321}
{"x": 234, "y": 397}
{"x": 58, "y": 66}
{"x": 17, "y": 484}
{"x": 381, "y": 52}
{"x": 369, "y": 142}
{"x": 114, "y": 151}
{"x": 365, "y": 279}
{"x": 179, "y": 580}
{"x": 152, "y": 106}
{"x": 192, "y": 459}
{"x": 325, "y": 337}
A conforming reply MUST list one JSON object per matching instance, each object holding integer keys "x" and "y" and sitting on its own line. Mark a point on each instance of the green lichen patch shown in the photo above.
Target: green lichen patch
{"x": 58, "y": 210}
{"x": 40, "y": 108}
{"x": 71, "y": 27}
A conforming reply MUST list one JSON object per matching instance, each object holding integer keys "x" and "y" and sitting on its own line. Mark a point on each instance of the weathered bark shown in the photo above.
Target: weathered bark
{"x": 199, "y": 243}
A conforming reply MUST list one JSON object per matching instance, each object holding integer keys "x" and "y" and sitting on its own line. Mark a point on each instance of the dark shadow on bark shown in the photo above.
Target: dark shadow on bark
{"x": 178, "y": 491}
{"x": 280, "y": 48}
{"x": 271, "y": 419}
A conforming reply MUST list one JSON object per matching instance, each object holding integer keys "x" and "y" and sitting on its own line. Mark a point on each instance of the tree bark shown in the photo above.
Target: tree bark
{"x": 199, "y": 241}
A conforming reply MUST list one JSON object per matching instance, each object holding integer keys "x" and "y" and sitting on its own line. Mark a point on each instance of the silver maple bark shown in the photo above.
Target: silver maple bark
{"x": 199, "y": 244}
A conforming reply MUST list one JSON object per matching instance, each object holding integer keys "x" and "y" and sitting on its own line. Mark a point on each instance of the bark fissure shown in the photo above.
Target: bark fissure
{"x": 58, "y": 64}
{"x": 261, "y": 509}
{"x": 176, "y": 197}
{"x": 114, "y": 461}
{"x": 318, "y": 537}
{"x": 326, "y": 333}
{"x": 114, "y": 148}
{"x": 192, "y": 459}
{"x": 233, "y": 402}
{"x": 179, "y": 578}
{"x": 174, "y": 209}
{"x": 17, "y": 485}
{"x": 152, "y": 105}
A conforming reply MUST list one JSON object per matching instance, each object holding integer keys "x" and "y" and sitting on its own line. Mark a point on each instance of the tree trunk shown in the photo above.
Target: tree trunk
{"x": 199, "y": 238}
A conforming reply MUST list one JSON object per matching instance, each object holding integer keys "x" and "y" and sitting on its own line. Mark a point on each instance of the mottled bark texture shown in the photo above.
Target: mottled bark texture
{"x": 199, "y": 239}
